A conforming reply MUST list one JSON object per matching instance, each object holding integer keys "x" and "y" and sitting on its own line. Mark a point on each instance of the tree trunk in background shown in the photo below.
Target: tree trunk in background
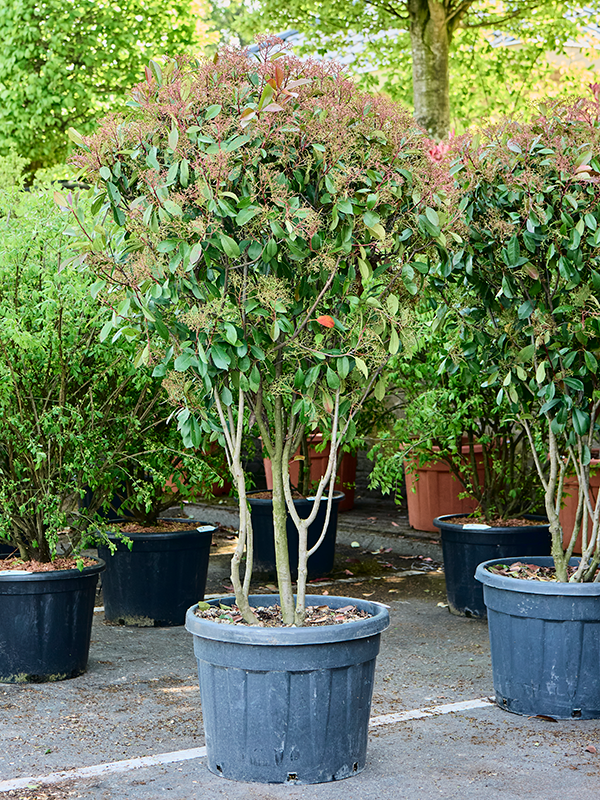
{"x": 430, "y": 36}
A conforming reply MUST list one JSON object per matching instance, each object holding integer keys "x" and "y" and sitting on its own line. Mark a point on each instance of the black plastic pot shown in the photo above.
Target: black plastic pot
{"x": 465, "y": 548}
{"x": 545, "y": 640}
{"x": 321, "y": 562}
{"x": 46, "y": 623}
{"x": 287, "y": 705}
{"x": 155, "y": 582}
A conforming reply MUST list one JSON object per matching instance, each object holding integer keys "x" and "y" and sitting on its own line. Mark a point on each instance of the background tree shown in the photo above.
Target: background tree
{"x": 63, "y": 64}
{"x": 444, "y": 50}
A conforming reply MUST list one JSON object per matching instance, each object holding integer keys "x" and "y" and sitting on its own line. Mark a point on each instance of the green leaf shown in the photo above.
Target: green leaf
{"x": 220, "y": 358}
{"x": 246, "y": 214}
{"x": 105, "y": 173}
{"x": 360, "y": 365}
{"x": 226, "y": 396}
{"x": 230, "y": 333}
{"x": 195, "y": 253}
{"x": 370, "y": 218}
{"x": 590, "y": 361}
{"x": 172, "y": 208}
{"x": 212, "y": 111}
{"x": 540, "y": 373}
{"x": 394, "y": 345}
{"x": 254, "y": 379}
{"x": 432, "y": 216}
{"x": 230, "y": 246}
{"x": 380, "y": 389}
{"x": 173, "y": 137}
{"x": 333, "y": 379}
{"x": 527, "y": 353}
{"x": 581, "y": 422}
{"x": 183, "y": 361}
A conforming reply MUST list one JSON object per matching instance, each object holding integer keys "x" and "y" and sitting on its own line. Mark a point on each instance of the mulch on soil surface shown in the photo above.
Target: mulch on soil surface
{"x": 270, "y": 616}
{"x": 498, "y": 522}
{"x": 528, "y": 572}
{"x": 161, "y": 526}
{"x": 40, "y": 566}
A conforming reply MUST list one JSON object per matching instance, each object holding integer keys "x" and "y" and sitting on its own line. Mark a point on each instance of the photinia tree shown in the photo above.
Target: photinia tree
{"x": 264, "y": 227}
{"x": 531, "y": 277}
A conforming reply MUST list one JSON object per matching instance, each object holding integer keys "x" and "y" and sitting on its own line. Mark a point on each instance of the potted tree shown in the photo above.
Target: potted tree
{"x": 62, "y": 415}
{"x": 450, "y": 419}
{"x": 265, "y": 226}
{"x": 531, "y": 272}
{"x": 155, "y": 568}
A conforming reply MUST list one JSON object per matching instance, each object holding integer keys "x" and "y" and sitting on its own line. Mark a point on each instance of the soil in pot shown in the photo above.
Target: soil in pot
{"x": 154, "y": 583}
{"x": 287, "y": 705}
{"x": 321, "y": 562}
{"x": 46, "y": 621}
{"x": 466, "y": 544}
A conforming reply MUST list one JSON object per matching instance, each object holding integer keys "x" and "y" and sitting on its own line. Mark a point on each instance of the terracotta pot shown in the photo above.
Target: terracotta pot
{"x": 346, "y": 474}
{"x": 569, "y": 508}
{"x": 432, "y": 491}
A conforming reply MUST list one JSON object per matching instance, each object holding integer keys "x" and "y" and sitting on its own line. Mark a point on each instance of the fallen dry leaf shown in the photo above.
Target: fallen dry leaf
{"x": 590, "y": 749}
{"x": 395, "y": 524}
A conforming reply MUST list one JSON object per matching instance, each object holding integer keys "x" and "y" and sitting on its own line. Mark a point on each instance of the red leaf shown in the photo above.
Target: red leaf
{"x": 326, "y": 321}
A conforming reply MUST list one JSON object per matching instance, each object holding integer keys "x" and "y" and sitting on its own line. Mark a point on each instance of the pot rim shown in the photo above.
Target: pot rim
{"x": 165, "y": 535}
{"x": 446, "y": 519}
{"x": 327, "y": 634}
{"x": 59, "y": 574}
{"x": 524, "y": 586}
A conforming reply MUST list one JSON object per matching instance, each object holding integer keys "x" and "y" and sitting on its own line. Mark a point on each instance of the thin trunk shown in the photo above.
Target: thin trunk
{"x": 430, "y": 37}
{"x": 280, "y": 468}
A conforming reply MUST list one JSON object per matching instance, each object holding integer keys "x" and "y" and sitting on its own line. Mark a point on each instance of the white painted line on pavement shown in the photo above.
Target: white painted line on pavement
{"x": 421, "y": 713}
{"x": 99, "y": 770}
{"x": 103, "y": 769}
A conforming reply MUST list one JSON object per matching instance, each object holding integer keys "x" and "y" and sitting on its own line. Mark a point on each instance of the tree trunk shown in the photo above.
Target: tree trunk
{"x": 430, "y": 36}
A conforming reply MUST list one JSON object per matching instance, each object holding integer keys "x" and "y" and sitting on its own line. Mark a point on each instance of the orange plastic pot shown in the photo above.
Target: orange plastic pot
{"x": 569, "y": 508}
{"x": 432, "y": 491}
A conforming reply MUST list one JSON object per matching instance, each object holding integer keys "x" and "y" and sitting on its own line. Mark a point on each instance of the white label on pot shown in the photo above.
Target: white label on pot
{"x": 205, "y": 528}
{"x": 14, "y": 572}
{"x": 475, "y": 526}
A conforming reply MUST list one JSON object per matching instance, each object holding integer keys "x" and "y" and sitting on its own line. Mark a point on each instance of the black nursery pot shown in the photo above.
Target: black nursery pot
{"x": 321, "y": 562}
{"x": 154, "y": 583}
{"x": 46, "y": 623}
{"x": 544, "y": 642}
{"x": 287, "y": 705}
{"x": 465, "y": 548}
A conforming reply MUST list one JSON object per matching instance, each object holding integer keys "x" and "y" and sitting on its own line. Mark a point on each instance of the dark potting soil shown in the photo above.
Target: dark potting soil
{"x": 497, "y": 522}
{"x": 50, "y": 566}
{"x": 160, "y": 526}
{"x": 528, "y": 572}
{"x": 270, "y": 616}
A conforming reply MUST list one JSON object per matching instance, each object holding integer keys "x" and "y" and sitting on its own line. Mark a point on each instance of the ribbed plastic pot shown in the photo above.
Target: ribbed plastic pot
{"x": 465, "y": 548}
{"x": 321, "y": 562}
{"x": 46, "y": 623}
{"x": 154, "y": 583}
{"x": 287, "y": 705}
{"x": 545, "y": 640}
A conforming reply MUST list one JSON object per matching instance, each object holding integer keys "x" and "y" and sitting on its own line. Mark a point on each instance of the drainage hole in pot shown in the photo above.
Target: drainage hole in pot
{"x": 355, "y": 767}
{"x": 292, "y": 776}
{"x": 219, "y": 768}
{"x": 576, "y": 712}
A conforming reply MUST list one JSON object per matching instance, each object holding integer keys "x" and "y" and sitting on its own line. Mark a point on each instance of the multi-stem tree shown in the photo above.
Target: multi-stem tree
{"x": 265, "y": 226}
